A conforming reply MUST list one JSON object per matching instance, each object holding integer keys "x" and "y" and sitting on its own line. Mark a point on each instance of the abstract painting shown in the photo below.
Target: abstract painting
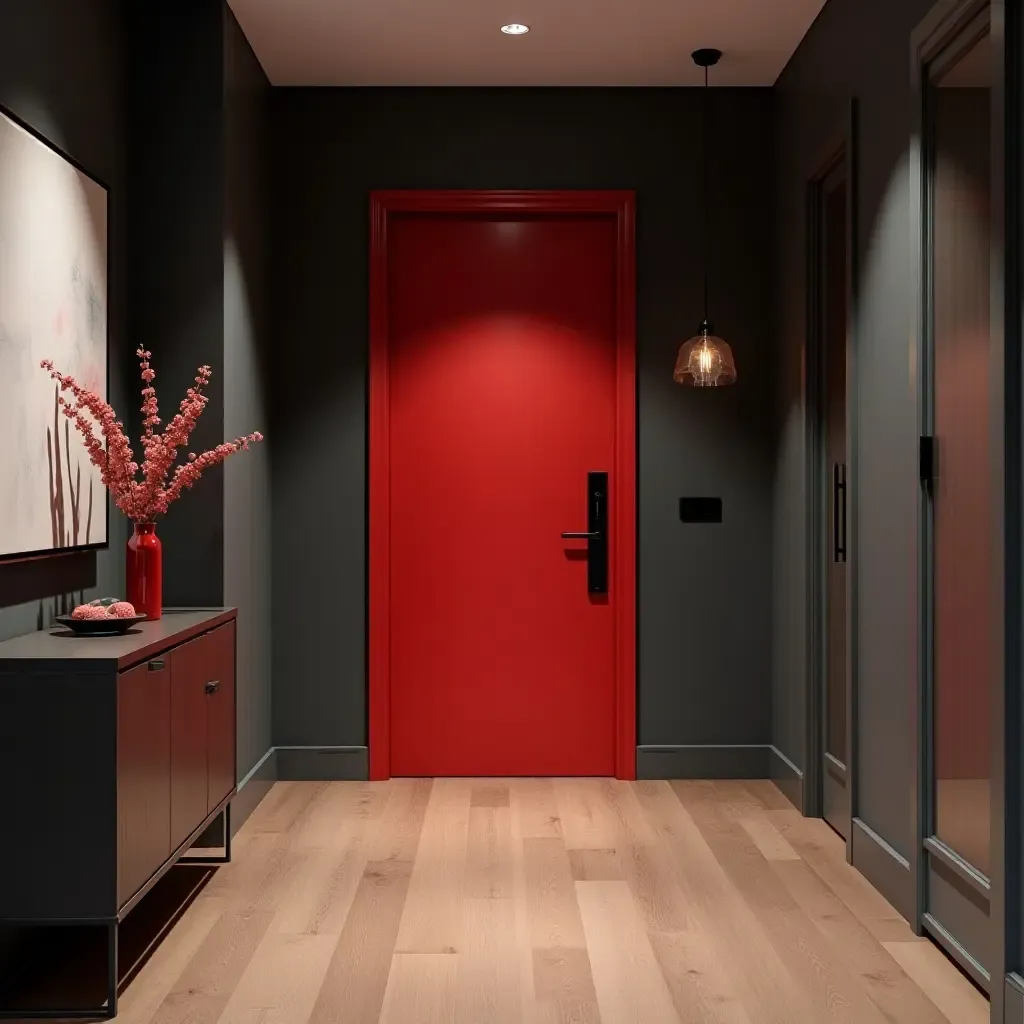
{"x": 53, "y": 305}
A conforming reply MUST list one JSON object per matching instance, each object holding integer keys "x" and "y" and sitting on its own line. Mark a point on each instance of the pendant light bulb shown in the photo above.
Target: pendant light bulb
{"x": 705, "y": 361}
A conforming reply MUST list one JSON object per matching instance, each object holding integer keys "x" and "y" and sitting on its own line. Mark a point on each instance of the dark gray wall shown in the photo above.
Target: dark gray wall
{"x": 246, "y": 245}
{"x": 199, "y": 295}
{"x": 186, "y": 169}
{"x": 176, "y": 273}
{"x": 61, "y": 71}
{"x": 704, "y": 592}
{"x": 812, "y": 95}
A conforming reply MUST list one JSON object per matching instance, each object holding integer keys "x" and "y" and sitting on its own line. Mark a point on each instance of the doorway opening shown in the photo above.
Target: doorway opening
{"x": 830, "y": 740}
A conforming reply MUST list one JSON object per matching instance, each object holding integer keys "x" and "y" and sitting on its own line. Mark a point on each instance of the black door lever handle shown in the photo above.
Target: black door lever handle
{"x": 596, "y": 534}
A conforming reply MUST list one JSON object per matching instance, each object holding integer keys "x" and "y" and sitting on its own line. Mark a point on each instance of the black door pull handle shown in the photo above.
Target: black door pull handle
{"x": 596, "y": 533}
{"x": 212, "y": 686}
{"x": 839, "y": 512}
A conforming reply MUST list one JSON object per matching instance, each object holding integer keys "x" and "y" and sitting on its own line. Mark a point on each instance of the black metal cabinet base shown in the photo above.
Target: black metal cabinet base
{"x": 88, "y": 734}
{"x": 109, "y": 1007}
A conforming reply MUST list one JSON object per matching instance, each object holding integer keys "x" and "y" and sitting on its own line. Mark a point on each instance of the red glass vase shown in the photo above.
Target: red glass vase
{"x": 144, "y": 571}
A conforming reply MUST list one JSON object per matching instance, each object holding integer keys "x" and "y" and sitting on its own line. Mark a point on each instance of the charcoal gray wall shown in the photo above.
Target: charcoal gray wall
{"x": 61, "y": 71}
{"x": 247, "y": 291}
{"x": 704, "y": 592}
{"x": 199, "y": 294}
{"x": 176, "y": 273}
{"x": 812, "y": 95}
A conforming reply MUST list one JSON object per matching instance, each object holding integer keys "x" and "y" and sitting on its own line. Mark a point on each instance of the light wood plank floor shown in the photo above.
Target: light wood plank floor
{"x": 542, "y": 901}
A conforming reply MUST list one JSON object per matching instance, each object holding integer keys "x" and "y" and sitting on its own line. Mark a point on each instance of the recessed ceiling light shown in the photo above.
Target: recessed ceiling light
{"x": 515, "y": 30}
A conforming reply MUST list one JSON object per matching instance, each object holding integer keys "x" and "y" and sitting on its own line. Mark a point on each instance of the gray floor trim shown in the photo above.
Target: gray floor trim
{"x": 264, "y": 769}
{"x": 885, "y": 868}
{"x": 253, "y": 788}
{"x": 1013, "y": 1005}
{"x": 322, "y": 764}
{"x": 787, "y": 777}
{"x": 703, "y": 762}
{"x": 947, "y": 941}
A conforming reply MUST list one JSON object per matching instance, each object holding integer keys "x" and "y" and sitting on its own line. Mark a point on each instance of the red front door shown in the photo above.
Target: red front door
{"x": 503, "y": 361}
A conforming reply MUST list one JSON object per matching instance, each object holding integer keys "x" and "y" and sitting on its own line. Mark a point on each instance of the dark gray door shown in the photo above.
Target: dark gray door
{"x": 834, "y": 317}
{"x": 963, "y": 588}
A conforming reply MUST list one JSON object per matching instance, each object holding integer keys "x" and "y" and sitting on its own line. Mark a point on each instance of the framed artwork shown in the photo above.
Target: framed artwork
{"x": 53, "y": 305}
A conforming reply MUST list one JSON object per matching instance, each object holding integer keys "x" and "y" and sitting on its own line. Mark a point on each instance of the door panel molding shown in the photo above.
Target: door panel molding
{"x": 884, "y": 867}
{"x": 618, "y": 204}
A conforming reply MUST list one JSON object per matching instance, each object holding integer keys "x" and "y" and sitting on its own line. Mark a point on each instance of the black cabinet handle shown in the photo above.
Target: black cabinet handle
{"x": 838, "y": 512}
{"x": 212, "y": 686}
{"x": 581, "y": 536}
{"x": 157, "y": 665}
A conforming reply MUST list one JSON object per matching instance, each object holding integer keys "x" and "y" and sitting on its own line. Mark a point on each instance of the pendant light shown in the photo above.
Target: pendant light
{"x": 705, "y": 361}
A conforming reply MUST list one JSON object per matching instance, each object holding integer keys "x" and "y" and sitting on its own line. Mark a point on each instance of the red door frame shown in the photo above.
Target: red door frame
{"x": 621, "y": 205}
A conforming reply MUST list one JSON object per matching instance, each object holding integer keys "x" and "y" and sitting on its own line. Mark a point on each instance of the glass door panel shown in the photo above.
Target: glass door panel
{"x": 963, "y": 597}
{"x": 962, "y": 571}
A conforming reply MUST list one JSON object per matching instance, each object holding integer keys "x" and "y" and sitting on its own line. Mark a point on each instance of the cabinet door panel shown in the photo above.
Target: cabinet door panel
{"x": 221, "y": 717}
{"x": 143, "y": 774}
{"x": 188, "y": 738}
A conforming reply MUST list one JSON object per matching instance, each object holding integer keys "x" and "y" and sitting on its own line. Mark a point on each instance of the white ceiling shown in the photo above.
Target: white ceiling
{"x": 571, "y": 42}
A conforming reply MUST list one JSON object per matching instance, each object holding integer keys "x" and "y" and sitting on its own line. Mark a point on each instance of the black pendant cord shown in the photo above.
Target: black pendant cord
{"x": 707, "y": 215}
{"x": 706, "y": 58}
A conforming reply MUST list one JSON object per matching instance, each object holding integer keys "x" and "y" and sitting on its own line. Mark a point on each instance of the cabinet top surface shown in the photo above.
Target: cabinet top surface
{"x": 58, "y": 649}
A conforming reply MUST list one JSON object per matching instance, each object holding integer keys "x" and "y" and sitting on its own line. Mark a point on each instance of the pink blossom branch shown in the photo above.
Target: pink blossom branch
{"x": 162, "y": 450}
{"x": 188, "y": 473}
{"x": 142, "y": 500}
{"x": 117, "y": 464}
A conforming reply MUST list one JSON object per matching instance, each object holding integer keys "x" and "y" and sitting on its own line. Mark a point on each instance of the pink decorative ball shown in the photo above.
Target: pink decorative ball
{"x": 89, "y": 611}
{"x": 121, "y": 610}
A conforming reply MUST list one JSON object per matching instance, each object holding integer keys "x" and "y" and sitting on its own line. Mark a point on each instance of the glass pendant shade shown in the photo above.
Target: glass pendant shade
{"x": 705, "y": 361}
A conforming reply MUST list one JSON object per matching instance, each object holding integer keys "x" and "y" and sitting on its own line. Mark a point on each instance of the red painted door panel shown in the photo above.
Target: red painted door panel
{"x": 502, "y": 376}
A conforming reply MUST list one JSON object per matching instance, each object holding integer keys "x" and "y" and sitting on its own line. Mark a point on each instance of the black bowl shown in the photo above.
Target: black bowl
{"x": 99, "y": 627}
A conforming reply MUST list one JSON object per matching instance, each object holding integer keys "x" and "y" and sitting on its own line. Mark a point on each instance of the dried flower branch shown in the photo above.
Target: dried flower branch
{"x": 141, "y": 492}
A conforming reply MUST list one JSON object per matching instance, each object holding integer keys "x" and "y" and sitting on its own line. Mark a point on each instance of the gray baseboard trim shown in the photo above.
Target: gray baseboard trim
{"x": 956, "y": 951}
{"x": 322, "y": 764}
{"x": 787, "y": 777}
{"x": 885, "y": 868}
{"x": 255, "y": 785}
{"x": 1013, "y": 1000}
{"x": 739, "y": 761}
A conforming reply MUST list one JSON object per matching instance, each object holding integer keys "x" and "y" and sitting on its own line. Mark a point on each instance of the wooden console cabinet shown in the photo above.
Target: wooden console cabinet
{"x": 116, "y": 754}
